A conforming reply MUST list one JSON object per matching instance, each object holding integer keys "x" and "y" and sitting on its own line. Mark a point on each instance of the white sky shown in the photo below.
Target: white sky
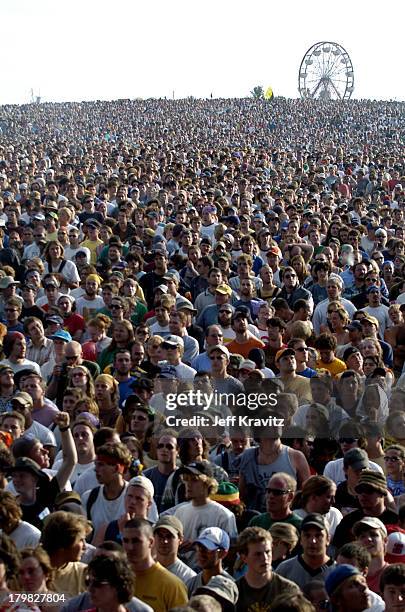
{"x": 93, "y": 49}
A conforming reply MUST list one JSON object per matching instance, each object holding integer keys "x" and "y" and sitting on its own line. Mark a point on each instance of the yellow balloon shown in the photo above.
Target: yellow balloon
{"x": 268, "y": 94}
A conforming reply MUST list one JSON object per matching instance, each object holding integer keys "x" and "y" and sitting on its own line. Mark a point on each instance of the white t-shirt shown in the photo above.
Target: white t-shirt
{"x": 197, "y": 518}
{"x": 181, "y": 570}
{"x": 79, "y": 469}
{"x": 88, "y": 308}
{"x": 103, "y": 511}
{"x": 42, "y": 433}
{"x": 86, "y": 481}
{"x": 25, "y": 535}
{"x": 69, "y": 271}
{"x": 334, "y": 470}
{"x": 26, "y": 363}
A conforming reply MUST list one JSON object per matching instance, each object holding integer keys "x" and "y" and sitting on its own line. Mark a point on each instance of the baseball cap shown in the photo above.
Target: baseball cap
{"x": 247, "y": 364}
{"x": 369, "y": 521}
{"x": 395, "y": 549}
{"x": 356, "y": 458}
{"x": 167, "y": 371}
{"x": 352, "y": 350}
{"x": 144, "y": 483}
{"x": 171, "y": 524}
{"x": 61, "y": 334}
{"x": 370, "y": 319}
{"x": 162, "y": 288}
{"x": 224, "y": 289}
{"x": 274, "y": 250}
{"x": 7, "y": 281}
{"x": 184, "y": 304}
{"x": 22, "y": 397}
{"x": 314, "y": 519}
{"x": 338, "y": 575}
{"x": 373, "y": 288}
{"x": 172, "y": 341}
{"x": 213, "y": 538}
{"x": 56, "y": 319}
{"x": 197, "y": 468}
{"x": 284, "y": 353}
{"x": 354, "y": 326}
{"x": 218, "y": 347}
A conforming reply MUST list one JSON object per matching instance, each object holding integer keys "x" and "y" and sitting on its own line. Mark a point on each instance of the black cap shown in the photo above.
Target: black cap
{"x": 315, "y": 519}
{"x": 197, "y": 468}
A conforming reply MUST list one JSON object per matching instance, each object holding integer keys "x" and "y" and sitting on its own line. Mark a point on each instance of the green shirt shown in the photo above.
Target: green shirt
{"x": 265, "y": 521}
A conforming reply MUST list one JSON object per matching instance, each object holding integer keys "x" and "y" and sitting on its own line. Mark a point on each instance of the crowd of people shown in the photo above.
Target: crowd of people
{"x": 202, "y": 380}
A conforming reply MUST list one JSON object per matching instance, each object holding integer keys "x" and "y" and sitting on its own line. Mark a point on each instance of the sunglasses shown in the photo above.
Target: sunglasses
{"x": 277, "y": 492}
{"x": 169, "y": 447}
{"x": 302, "y": 349}
{"x": 347, "y": 440}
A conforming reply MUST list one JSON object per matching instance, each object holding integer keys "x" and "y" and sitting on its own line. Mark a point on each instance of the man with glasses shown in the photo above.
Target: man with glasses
{"x": 280, "y": 493}
{"x": 12, "y": 312}
{"x": 73, "y": 357}
{"x": 213, "y": 337}
{"x": 301, "y": 356}
{"x": 167, "y": 454}
{"x": 292, "y": 291}
{"x": 74, "y": 246}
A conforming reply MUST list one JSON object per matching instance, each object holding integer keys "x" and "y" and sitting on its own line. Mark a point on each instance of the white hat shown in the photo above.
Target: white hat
{"x": 144, "y": 483}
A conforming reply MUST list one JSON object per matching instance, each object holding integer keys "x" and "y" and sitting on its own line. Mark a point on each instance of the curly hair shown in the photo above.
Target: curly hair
{"x": 117, "y": 572}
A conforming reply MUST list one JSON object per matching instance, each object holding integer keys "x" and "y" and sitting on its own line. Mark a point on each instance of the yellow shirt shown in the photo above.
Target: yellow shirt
{"x": 160, "y": 589}
{"x": 92, "y": 246}
{"x": 69, "y": 579}
{"x": 336, "y": 367}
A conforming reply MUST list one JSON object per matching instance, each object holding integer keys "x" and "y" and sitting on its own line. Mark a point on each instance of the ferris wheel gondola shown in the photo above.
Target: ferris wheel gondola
{"x": 326, "y": 73}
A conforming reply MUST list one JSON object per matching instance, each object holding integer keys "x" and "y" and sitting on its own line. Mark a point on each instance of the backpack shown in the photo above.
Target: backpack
{"x": 91, "y": 501}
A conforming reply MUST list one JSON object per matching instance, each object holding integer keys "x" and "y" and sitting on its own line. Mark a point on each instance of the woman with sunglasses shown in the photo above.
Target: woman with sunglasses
{"x": 80, "y": 378}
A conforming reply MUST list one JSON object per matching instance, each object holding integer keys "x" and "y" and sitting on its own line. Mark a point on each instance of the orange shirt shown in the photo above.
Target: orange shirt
{"x": 245, "y": 348}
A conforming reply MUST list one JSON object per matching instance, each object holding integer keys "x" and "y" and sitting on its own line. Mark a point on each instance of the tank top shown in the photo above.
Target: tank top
{"x": 257, "y": 476}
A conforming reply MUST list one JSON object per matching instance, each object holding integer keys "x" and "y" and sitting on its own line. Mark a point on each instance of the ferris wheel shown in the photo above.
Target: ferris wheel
{"x": 326, "y": 73}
